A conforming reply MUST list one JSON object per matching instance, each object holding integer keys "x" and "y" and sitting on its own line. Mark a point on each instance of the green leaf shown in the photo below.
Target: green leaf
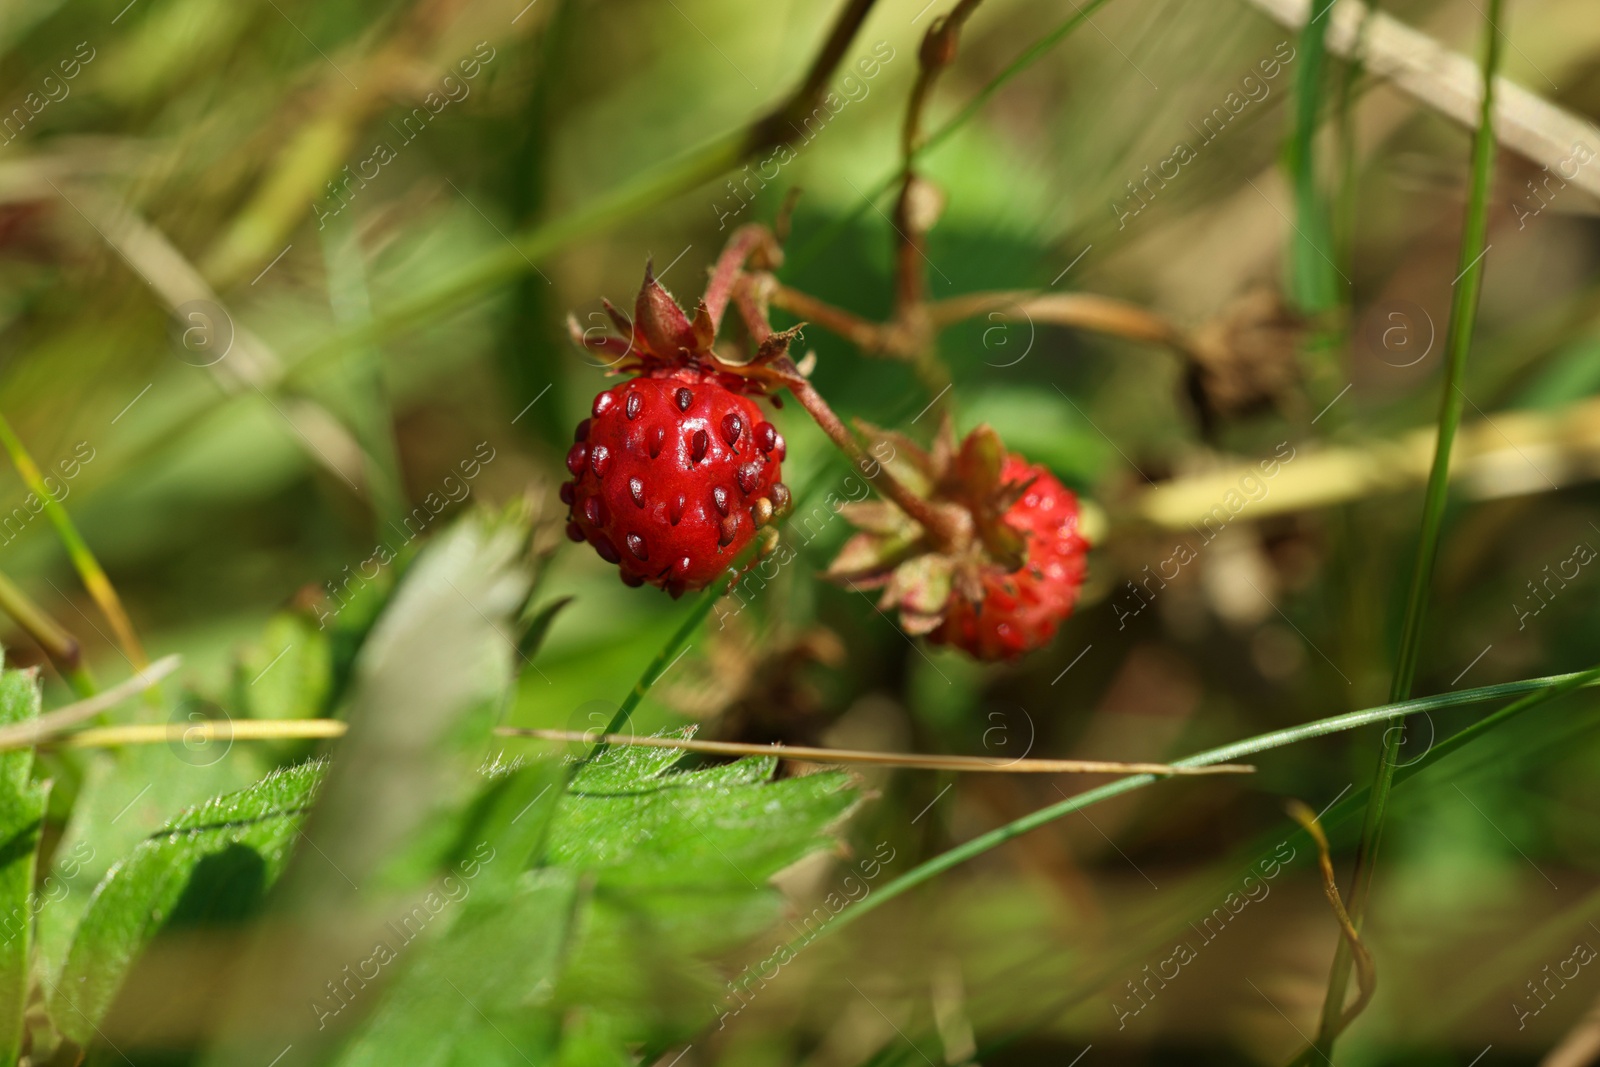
{"x": 538, "y": 627}
{"x": 426, "y": 693}
{"x": 680, "y": 862}
{"x": 466, "y": 995}
{"x": 288, "y": 674}
{"x": 21, "y": 811}
{"x": 642, "y": 874}
{"x": 211, "y": 866}
{"x": 511, "y": 817}
{"x": 498, "y": 956}
{"x": 126, "y": 797}
{"x": 632, "y": 823}
{"x": 427, "y": 689}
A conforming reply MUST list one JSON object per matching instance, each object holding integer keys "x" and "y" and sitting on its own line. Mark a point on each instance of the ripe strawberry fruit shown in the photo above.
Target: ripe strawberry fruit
{"x": 676, "y": 469}
{"x": 1005, "y": 573}
{"x": 1020, "y": 611}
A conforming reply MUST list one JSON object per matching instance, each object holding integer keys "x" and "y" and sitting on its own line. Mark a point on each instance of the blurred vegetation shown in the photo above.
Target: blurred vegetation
{"x": 282, "y": 286}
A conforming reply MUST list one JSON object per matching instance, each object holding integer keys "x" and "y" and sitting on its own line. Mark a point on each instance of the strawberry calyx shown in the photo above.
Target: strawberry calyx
{"x": 978, "y": 489}
{"x": 662, "y": 339}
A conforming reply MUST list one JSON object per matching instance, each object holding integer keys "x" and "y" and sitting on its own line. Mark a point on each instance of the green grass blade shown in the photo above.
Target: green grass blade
{"x": 1267, "y": 848}
{"x": 659, "y": 663}
{"x": 1311, "y": 274}
{"x": 1344, "y": 209}
{"x": 1537, "y": 690}
{"x": 89, "y": 569}
{"x": 1463, "y": 312}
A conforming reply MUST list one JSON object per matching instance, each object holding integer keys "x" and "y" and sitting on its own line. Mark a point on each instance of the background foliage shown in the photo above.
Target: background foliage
{"x": 333, "y": 492}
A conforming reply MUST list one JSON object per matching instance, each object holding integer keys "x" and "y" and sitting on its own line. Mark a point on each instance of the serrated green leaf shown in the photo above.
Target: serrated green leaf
{"x": 126, "y": 797}
{"x": 644, "y": 874}
{"x": 469, "y": 992}
{"x": 681, "y": 863}
{"x": 212, "y": 865}
{"x": 511, "y": 816}
{"x": 624, "y": 768}
{"x": 701, "y": 827}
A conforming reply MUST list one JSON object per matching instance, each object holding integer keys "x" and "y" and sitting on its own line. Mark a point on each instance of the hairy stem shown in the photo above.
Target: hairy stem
{"x": 867, "y": 336}
{"x": 747, "y": 241}
{"x": 1083, "y": 311}
{"x": 940, "y": 530}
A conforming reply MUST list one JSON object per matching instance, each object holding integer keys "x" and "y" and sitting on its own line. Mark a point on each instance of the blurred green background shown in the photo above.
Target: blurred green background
{"x": 251, "y": 164}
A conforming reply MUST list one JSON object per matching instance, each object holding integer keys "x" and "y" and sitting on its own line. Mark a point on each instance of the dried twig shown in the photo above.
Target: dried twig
{"x": 1510, "y": 454}
{"x": 1366, "y": 971}
{"x": 1581, "y": 1045}
{"x": 1083, "y": 311}
{"x": 1451, "y": 84}
{"x": 781, "y": 125}
{"x": 54, "y": 725}
{"x": 155, "y": 733}
{"x": 871, "y": 338}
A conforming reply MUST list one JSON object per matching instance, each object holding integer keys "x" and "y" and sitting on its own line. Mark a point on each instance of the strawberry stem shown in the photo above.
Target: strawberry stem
{"x": 744, "y": 243}
{"x": 868, "y": 336}
{"x": 750, "y": 293}
{"x": 940, "y": 530}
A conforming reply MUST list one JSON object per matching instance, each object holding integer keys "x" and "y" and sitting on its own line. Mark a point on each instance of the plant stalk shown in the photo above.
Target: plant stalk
{"x": 940, "y": 529}
{"x": 1463, "y": 313}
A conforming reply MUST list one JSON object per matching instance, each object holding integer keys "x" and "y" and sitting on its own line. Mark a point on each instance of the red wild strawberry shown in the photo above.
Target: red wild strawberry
{"x": 1005, "y": 571}
{"x": 676, "y": 470}
{"x": 1019, "y": 612}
